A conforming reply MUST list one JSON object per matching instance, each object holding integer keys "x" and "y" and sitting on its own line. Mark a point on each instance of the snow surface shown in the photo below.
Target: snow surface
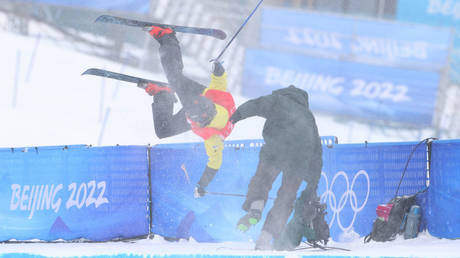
{"x": 45, "y": 101}
{"x": 422, "y": 246}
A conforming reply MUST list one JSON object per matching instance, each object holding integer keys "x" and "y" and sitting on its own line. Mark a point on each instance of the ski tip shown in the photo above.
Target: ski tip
{"x": 88, "y": 71}
{"x": 101, "y": 18}
{"x": 220, "y": 34}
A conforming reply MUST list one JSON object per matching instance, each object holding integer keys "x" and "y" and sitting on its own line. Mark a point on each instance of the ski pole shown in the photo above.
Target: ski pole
{"x": 231, "y": 194}
{"x": 237, "y": 32}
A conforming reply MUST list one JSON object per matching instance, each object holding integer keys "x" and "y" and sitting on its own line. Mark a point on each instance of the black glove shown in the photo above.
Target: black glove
{"x": 217, "y": 68}
{"x": 206, "y": 178}
{"x": 235, "y": 117}
{"x": 199, "y": 192}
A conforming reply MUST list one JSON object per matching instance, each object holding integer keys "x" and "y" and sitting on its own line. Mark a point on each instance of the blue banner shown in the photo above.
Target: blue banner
{"x": 355, "y": 179}
{"x": 445, "y": 13}
{"x": 138, "y": 6}
{"x": 347, "y": 88}
{"x": 71, "y": 192}
{"x": 363, "y": 40}
{"x": 444, "y": 191}
{"x": 433, "y": 12}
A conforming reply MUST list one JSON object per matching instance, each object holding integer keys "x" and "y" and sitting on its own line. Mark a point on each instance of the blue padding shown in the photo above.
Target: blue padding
{"x": 356, "y": 178}
{"x": 75, "y": 192}
{"x": 444, "y": 192}
{"x": 176, "y": 170}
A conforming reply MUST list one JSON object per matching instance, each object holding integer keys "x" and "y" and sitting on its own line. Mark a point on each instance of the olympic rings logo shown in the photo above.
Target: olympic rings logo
{"x": 331, "y": 199}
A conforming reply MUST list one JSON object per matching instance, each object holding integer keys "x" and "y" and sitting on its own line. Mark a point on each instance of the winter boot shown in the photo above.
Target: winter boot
{"x": 265, "y": 241}
{"x": 252, "y": 217}
{"x": 291, "y": 236}
{"x": 152, "y": 89}
{"x": 159, "y": 32}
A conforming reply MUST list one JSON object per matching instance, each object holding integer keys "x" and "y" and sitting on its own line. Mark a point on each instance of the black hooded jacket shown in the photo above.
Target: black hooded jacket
{"x": 290, "y": 132}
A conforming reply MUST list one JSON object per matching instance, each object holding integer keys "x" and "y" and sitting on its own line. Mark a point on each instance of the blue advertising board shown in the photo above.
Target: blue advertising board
{"x": 138, "y": 6}
{"x": 355, "y": 179}
{"x": 363, "y": 40}
{"x": 444, "y": 192}
{"x": 443, "y": 13}
{"x": 72, "y": 192}
{"x": 346, "y": 88}
{"x": 433, "y": 12}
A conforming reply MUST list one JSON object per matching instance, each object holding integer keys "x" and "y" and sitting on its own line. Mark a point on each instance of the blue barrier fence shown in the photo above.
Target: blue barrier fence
{"x": 71, "y": 192}
{"x": 175, "y": 172}
{"x": 444, "y": 193}
{"x": 358, "y": 177}
{"x": 355, "y": 179}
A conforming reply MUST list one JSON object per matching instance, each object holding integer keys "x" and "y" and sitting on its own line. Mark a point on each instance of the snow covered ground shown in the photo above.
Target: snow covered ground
{"x": 423, "y": 246}
{"x": 45, "y": 101}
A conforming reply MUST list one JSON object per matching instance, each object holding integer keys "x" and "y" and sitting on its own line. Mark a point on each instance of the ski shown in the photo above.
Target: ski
{"x": 121, "y": 77}
{"x": 220, "y": 34}
{"x": 322, "y": 247}
{"x": 306, "y": 248}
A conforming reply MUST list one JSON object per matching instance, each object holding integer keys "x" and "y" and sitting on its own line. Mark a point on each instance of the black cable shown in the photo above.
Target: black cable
{"x": 407, "y": 164}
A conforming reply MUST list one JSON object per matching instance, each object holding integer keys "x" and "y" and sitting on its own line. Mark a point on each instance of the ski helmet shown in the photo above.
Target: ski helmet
{"x": 201, "y": 110}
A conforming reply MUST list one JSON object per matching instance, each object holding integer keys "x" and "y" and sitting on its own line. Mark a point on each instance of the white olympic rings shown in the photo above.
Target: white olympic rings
{"x": 331, "y": 199}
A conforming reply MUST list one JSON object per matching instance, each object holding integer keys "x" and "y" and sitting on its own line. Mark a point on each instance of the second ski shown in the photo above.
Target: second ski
{"x": 216, "y": 33}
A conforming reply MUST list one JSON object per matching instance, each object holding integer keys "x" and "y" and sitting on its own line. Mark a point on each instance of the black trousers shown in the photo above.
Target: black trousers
{"x": 171, "y": 60}
{"x": 167, "y": 123}
{"x": 261, "y": 184}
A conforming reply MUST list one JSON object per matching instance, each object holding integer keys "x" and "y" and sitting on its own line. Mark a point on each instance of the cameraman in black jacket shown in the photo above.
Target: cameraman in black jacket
{"x": 293, "y": 146}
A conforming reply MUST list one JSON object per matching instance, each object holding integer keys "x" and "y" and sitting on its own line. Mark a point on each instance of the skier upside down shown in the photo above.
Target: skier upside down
{"x": 206, "y": 110}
